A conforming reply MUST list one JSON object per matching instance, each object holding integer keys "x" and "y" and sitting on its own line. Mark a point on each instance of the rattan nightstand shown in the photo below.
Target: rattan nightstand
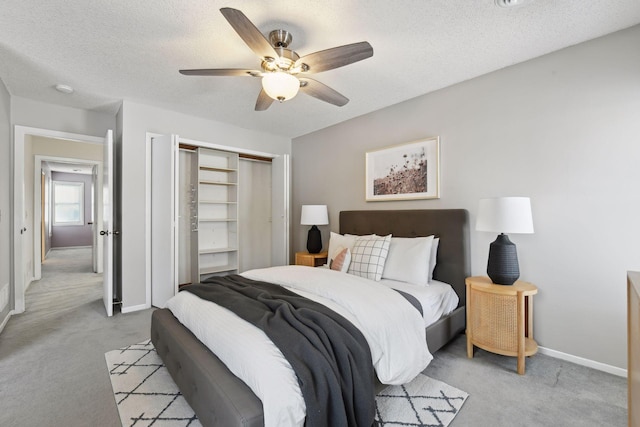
{"x": 500, "y": 318}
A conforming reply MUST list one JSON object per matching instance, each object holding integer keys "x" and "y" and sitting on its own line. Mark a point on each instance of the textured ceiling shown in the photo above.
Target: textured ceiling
{"x": 110, "y": 50}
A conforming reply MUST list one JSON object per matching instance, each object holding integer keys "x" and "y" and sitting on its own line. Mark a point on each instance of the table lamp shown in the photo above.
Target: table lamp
{"x": 504, "y": 215}
{"x": 314, "y": 215}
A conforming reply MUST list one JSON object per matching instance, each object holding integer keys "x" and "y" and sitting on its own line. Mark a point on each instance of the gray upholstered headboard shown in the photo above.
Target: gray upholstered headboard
{"x": 450, "y": 225}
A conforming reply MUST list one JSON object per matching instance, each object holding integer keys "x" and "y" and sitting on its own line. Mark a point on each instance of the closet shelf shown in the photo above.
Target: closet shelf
{"x": 216, "y": 250}
{"x": 216, "y": 169}
{"x": 218, "y": 269}
{"x": 216, "y": 202}
{"x": 217, "y": 183}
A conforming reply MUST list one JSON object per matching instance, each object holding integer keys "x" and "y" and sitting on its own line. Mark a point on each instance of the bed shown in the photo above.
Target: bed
{"x": 220, "y": 398}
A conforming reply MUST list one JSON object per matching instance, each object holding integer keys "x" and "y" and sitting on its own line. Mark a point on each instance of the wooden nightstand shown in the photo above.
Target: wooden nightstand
{"x": 312, "y": 260}
{"x": 500, "y": 318}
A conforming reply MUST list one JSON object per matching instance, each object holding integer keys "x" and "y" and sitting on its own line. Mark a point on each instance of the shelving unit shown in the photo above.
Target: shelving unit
{"x": 215, "y": 218}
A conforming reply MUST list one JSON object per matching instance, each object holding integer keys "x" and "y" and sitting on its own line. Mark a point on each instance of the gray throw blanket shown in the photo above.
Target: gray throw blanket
{"x": 329, "y": 355}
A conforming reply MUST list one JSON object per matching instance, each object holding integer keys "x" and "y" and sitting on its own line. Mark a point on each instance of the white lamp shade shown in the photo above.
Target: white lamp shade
{"x": 314, "y": 215}
{"x": 505, "y": 215}
{"x": 280, "y": 86}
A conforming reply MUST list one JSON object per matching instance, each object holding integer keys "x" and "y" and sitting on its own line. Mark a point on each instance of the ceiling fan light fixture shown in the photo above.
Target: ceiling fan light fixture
{"x": 280, "y": 86}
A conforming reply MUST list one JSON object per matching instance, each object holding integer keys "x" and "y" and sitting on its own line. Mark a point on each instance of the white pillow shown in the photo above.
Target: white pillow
{"x": 341, "y": 261}
{"x": 337, "y": 242}
{"x": 368, "y": 256}
{"x": 433, "y": 257}
{"x": 408, "y": 260}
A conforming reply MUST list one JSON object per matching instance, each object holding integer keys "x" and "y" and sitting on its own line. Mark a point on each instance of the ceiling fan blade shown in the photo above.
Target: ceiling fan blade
{"x": 321, "y": 91}
{"x": 222, "y": 72}
{"x": 264, "y": 101}
{"x": 249, "y": 33}
{"x": 335, "y": 57}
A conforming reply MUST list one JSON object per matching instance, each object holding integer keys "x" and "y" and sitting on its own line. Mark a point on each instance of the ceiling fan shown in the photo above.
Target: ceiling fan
{"x": 283, "y": 71}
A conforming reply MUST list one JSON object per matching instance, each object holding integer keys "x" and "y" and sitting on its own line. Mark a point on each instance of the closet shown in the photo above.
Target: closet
{"x": 214, "y": 214}
{"x": 214, "y": 211}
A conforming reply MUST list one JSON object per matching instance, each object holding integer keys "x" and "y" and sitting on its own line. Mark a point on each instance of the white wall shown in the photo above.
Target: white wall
{"x": 137, "y": 120}
{"x": 5, "y": 194}
{"x": 562, "y": 129}
{"x": 26, "y": 112}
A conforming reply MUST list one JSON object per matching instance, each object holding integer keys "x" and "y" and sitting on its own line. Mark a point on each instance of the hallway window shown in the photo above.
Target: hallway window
{"x": 68, "y": 203}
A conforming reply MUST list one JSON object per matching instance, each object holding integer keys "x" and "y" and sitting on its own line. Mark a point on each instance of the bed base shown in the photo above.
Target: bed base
{"x": 218, "y": 397}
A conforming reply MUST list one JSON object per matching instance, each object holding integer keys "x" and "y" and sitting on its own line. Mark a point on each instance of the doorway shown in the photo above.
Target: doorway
{"x": 72, "y": 220}
{"x": 28, "y": 194}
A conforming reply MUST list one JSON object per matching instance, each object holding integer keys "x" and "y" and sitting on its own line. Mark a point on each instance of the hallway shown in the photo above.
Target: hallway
{"x": 52, "y": 367}
{"x": 67, "y": 284}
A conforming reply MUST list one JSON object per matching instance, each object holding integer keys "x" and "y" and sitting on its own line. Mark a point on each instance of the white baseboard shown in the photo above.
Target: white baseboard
{"x": 26, "y": 288}
{"x": 6, "y": 319}
{"x": 4, "y": 296}
{"x": 133, "y": 308}
{"x": 614, "y": 370}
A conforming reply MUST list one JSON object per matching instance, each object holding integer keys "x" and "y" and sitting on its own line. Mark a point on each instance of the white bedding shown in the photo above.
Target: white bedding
{"x": 393, "y": 329}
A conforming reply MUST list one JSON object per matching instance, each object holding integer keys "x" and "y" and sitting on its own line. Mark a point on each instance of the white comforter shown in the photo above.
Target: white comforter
{"x": 392, "y": 327}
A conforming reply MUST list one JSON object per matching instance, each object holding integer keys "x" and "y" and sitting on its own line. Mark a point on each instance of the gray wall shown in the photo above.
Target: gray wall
{"x": 5, "y": 194}
{"x": 562, "y": 129}
{"x": 137, "y": 120}
{"x": 74, "y": 235}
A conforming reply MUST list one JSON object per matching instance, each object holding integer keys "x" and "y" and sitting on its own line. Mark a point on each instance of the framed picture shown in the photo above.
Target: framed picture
{"x": 404, "y": 172}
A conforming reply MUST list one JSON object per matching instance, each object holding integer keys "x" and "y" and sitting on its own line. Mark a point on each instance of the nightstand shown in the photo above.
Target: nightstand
{"x": 312, "y": 260}
{"x": 500, "y": 318}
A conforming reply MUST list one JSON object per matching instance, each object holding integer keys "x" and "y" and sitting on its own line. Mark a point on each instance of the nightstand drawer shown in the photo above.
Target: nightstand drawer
{"x": 311, "y": 260}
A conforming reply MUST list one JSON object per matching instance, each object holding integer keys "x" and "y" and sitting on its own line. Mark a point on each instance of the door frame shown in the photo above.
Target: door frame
{"x": 37, "y": 203}
{"x": 20, "y": 134}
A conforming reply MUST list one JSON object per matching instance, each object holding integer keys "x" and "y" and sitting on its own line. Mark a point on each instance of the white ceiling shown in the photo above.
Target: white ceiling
{"x": 110, "y": 50}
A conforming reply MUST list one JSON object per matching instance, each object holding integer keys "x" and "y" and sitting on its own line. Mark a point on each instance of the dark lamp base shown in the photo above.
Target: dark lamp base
{"x": 502, "y": 267}
{"x": 314, "y": 240}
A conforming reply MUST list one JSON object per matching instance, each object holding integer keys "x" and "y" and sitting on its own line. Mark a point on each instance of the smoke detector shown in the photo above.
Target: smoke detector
{"x": 512, "y": 3}
{"x": 64, "y": 88}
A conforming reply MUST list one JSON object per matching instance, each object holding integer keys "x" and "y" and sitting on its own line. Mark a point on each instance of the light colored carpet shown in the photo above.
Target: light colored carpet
{"x": 146, "y": 395}
{"x": 52, "y": 356}
{"x": 52, "y": 369}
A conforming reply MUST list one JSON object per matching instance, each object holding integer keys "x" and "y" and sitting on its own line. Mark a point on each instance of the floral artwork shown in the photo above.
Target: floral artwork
{"x": 406, "y": 171}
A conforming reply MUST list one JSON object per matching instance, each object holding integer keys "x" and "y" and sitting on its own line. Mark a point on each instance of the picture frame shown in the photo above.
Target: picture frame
{"x": 404, "y": 172}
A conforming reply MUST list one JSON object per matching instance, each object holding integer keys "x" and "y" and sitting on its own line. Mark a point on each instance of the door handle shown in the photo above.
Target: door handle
{"x": 104, "y": 233}
{"x": 89, "y": 223}
{"x": 23, "y": 230}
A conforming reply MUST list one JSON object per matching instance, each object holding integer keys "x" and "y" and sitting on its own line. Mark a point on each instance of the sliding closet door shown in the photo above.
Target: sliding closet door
{"x": 255, "y": 214}
{"x": 164, "y": 210}
{"x": 280, "y": 204}
{"x": 187, "y": 161}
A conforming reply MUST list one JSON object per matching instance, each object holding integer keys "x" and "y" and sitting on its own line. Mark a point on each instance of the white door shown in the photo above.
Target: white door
{"x": 19, "y": 229}
{"x": 280, "y": 176}
{"x": 107, "y": 222}
{"x": 96, "y": 219}
{"x": 164, "y": 214}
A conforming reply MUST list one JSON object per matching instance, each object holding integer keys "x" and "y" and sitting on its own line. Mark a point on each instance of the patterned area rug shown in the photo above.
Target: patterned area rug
{"x": 146, "y": 395}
